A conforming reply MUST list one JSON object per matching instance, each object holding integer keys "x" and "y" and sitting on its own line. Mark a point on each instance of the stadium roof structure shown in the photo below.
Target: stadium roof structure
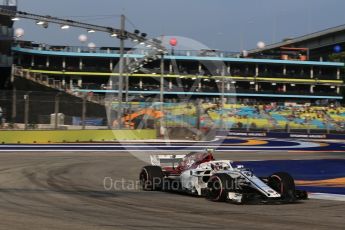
{"x": 316, "y": 40}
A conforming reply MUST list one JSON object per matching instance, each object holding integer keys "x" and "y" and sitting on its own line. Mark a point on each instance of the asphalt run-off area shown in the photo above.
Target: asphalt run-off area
{"x": 61, "y": 186}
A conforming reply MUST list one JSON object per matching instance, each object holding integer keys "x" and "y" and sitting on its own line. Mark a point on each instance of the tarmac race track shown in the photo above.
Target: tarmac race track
{"x": 65, "y": 190}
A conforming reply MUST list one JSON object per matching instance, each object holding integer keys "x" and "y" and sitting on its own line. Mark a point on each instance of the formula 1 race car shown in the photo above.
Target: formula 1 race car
{"x": 198, "y": 173}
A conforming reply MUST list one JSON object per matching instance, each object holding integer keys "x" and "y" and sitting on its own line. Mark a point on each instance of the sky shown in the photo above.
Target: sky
{"x": 231, "y": 25}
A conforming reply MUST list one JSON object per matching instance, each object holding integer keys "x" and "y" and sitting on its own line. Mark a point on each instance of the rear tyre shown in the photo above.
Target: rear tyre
{"x": 218, "y": 187}
{"x": 284, "y": 184}
{"x": 151, "y": 178}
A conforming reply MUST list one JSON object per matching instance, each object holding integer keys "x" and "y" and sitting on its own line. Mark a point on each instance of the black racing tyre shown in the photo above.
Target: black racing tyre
{"x": 218, "y": 187}
{"x": 284, "y": 184}
{"x": 151, "y": 178}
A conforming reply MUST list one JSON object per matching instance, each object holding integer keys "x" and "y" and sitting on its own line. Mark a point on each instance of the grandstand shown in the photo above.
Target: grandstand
{"x": 6, "y": 41}
{"x": 90, "y": 70}
{"x": 303, "y": 91}
{"x": 201, "y": 89}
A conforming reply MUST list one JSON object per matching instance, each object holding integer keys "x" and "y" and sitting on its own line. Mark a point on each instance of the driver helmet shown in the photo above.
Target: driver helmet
{"x": 210, "y": 151}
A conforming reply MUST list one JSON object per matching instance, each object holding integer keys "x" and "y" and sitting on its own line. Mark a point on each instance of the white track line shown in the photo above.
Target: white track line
{"x": 300, "y": 145}
{"x": 327, "y": 196}
{"x": 114, "y": 150}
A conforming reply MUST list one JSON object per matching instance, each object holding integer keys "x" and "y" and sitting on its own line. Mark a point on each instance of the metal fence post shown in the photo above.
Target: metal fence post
{"x": 308, "y": 127}
{"x": 109, "y": 112}
{"x": 26, "y": 110}
{"x": 83, "y": 116}
{"x": 328, "y": 128}
{"x": 198, "y": 114}
{"x": 57, "y": 103}
{"x": 248, "y": 125}
{"x": 14, "y": 105}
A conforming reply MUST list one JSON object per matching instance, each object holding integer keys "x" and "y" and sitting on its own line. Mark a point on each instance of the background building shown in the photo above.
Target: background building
{"x": 6, "y": 40}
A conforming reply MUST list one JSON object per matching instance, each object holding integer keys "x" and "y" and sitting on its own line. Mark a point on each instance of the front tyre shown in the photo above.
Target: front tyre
{"x": 151, "y": 178}
{"x": 284, "y": 184}
{"x": 218, "y": 187}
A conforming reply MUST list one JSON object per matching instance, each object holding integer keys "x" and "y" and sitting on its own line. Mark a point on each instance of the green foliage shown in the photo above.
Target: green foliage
{"x": 11, "y": 125}
{"x": 32, "y": 126}
{"x": 339, "y": 57}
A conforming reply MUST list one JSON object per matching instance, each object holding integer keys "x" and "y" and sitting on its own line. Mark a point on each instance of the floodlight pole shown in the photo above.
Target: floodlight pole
{"x": 127, "y": 81}
{"x": 121, "y": 70}
{"x": 222, "y": 98}
{"x": 161, "y": 96}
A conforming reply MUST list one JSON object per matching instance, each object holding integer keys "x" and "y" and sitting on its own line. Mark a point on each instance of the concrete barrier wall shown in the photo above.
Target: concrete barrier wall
{"x": 73, "y": 136}
{"x": 280, "y": 135}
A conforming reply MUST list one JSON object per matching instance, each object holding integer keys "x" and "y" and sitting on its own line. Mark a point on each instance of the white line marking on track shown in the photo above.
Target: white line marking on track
{"x": 111, "y": 150}
{"x": 327, "y": 196}
{"x": 300, "y": 145}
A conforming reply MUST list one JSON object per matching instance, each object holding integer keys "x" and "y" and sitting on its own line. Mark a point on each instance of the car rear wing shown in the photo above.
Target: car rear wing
{"x": 166, "y": 160}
